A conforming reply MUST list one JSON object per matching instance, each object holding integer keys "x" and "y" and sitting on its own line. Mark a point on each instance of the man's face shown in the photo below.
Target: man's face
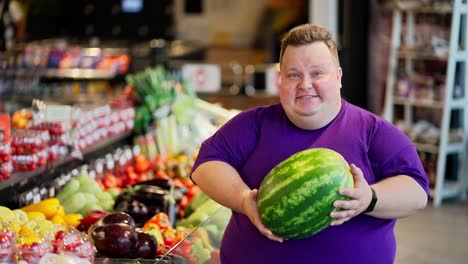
{"x": 310, "y": 85}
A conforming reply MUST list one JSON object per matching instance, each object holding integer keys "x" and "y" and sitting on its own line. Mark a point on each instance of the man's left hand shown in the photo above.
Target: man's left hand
{"x": 359, "y": 198}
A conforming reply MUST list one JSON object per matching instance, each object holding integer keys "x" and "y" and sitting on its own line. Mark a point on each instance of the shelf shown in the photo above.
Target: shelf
{"x": 88, "y": 74}
{"x": 418, "y": 7}
{"x": 398, "y": 100}
{"x": 458, "y": 103}
{"x": 452, "y": 148}
{"x": 450, "y": 189}
{"x": 430, "y": 148}
{"x": 21, "y": 178}
{"x": 27, "y": 99}
{"x": 82, "y": 74}
{"x": 406, "y": 17}
{"x": 420, "y": 54}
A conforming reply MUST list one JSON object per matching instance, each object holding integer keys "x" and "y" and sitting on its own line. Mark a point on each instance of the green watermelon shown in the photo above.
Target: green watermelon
{"x": 296, "y": 197}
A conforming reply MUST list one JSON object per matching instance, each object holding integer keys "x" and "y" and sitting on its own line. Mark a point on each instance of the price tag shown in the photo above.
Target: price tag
{"x": 203, "y": 77}
{"x": 58, "y": 113}
{"x": 272, "y": 79}
{"x": 5, "y": 128}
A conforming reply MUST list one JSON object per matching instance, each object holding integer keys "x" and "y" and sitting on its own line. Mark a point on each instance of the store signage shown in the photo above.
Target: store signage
{"x": 202, "y": 77}
{"x": 272, "y": 79}
{"x": 4, "y": 128}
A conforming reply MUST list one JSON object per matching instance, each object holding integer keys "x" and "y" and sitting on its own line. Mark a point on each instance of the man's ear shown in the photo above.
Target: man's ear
{"x": 339, "y": 74}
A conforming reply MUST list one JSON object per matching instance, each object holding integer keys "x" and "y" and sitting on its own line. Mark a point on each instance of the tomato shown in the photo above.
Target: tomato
{"x": 110, "y": 181}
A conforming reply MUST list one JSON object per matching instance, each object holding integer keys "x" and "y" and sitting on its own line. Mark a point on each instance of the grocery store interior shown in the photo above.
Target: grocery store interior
{"x": 106, "y": 102}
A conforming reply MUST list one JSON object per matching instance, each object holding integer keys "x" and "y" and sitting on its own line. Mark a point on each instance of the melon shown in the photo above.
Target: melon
{"x": 296, "y": 197}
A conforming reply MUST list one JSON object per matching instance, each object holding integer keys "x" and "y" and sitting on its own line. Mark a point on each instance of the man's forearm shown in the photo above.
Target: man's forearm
{"x": 222, "y": 183}
{"x": 398, "y": 197}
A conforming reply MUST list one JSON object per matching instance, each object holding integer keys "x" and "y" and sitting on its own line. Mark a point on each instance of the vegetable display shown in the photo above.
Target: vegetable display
{"x": 296, "y": 197}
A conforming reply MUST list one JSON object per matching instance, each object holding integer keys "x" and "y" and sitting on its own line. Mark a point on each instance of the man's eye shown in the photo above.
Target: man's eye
{"x": 316, "y": 74}
{"x": 293, "y": 75}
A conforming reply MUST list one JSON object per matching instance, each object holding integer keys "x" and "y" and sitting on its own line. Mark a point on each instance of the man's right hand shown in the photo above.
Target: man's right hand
{"x": 250, "y": 209}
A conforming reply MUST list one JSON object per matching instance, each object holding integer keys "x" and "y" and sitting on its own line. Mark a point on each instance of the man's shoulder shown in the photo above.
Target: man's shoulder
{"x": 354, "y": 110}
{"x": 265, "y": 110}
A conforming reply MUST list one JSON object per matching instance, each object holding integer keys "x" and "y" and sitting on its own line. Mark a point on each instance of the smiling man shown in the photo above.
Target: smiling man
{"x": 389, "y": 180}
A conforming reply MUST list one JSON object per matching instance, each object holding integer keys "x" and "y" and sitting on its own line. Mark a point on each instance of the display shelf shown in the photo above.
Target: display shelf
{"x": 22, "y": 181}
{"x": 421, "y": 54}
{"x": 418, "y": 7}
{"x": 451, "y": 189}
{"x": 455, "y": 98}
{"x": 418, "y": 102}
{"x": 27, "y": 99}
{"x": 430, "y": 148}
{"x": 82, "y": 74}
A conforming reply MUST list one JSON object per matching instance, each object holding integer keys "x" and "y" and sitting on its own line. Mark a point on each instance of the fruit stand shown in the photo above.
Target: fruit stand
{"x": 129, "y": 156}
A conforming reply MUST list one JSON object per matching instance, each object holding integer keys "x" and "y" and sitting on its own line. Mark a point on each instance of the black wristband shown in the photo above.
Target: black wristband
{"x": 373, "y": 201}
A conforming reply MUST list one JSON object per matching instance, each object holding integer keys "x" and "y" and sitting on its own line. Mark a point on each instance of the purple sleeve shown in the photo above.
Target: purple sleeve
{"x": 233, "y": 142}
{"x": 395, "y": 157}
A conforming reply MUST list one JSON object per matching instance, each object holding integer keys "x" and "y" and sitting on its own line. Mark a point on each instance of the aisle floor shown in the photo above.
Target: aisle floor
{"x": 434, "y": 235}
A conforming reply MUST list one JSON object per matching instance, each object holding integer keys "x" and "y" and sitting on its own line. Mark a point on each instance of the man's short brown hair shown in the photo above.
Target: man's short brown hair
{"x": 307, "y": 34}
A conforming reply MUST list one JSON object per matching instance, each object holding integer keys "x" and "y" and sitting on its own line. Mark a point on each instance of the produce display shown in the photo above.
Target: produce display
{"x": 295, "y": 198}
{"x": 202, "y": 246}
{"x": 60, "y": 54}
{"x": 6, "y": 165}
{"x": 29, "y": 149}
{"x": 83, "y": 194}
{"x": 134, "y": 203}
{"x": 30, "y": 233}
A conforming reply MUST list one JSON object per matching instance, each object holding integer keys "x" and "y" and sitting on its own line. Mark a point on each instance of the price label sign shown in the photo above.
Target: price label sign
{"x": 4, "y": 128}
{"x": 203, "y": 77}
{"x": 58, "y": 113}
{"x": 272, "y": 79}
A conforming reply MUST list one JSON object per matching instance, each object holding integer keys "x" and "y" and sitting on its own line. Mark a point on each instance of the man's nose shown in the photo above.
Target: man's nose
{"x": 306, "y": 82}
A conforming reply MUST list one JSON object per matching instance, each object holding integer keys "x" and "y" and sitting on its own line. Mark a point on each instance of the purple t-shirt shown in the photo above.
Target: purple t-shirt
{"x": 256, "y": 140}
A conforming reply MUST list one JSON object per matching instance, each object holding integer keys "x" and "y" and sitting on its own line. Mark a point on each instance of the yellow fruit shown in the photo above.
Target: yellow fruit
{"x": 61, "y": 211}
{"x": 6, "y": 214}
{"x": 26, "y": 231}
{"x": 72, "y": 219}
{"x": 21, "y": 216}
{"x": 44, "y": 226}
{"x": 29, "y": 239}
{"x": 33, "y": 215}
{"x": 49, "y": 207}
{"x": 58, "y": 220}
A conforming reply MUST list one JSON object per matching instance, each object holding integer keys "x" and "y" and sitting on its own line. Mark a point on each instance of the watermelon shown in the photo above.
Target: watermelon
{"x": 296, "y": 197}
